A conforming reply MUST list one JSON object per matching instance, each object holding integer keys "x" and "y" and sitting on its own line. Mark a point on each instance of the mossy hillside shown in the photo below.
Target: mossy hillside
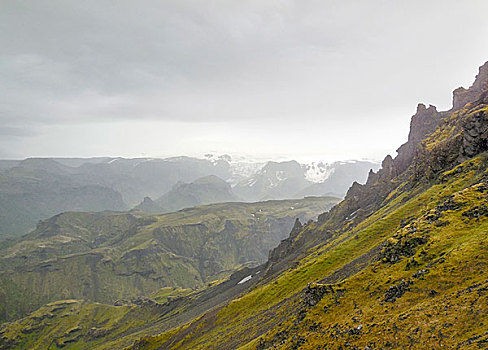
{"x": 399, "y": 199}
{"x": 277, "y": 307}
{"x": 79, "y": 324}
{"x": 74, "y": 324}
{"x": 169, "y": 293}
{"x": 237, "y": 321}
{"x": 108, "y": 256}
{"x": 443, "y": 305}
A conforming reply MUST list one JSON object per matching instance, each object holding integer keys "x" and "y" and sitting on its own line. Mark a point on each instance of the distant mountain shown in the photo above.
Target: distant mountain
{"x": 336, "y": 178}
{"x": 293, "y": 180}
{"x": 107, "y": 256}
{"x": 6, "y": 164}
{"x": 37, "y": 188}
{"x": 206, "y": 190}
{"x": 274, "y": 180}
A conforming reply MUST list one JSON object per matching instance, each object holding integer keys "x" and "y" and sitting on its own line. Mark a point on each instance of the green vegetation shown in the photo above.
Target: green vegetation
{"x": 107, "y": 256}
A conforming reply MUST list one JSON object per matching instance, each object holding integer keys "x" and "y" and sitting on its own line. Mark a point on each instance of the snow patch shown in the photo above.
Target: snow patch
{"x": 280, "y": 175}
{"x": 215, "y": 159}
{"x": 318, "y": 172}
{"x": 241, "y": 170}
{"x": 251, "y": 182}
{"x": 245, "y": 279}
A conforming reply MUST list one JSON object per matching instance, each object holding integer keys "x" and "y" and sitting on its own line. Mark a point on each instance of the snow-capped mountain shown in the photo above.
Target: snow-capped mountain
{"x": 240, "y": 168}
{"x": 290, "y": 179}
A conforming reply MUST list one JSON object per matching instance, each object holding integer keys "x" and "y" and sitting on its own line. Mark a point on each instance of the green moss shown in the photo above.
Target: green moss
{"x": 274, "y": 304}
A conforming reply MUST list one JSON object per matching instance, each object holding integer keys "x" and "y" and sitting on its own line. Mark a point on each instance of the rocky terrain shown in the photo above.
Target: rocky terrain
{"x": 399, "y": 263}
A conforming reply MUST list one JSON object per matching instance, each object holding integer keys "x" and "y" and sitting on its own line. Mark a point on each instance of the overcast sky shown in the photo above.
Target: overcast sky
{"x": 271, "y": 78}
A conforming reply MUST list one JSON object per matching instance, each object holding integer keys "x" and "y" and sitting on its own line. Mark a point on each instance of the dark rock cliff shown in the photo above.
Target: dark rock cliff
{"x": 477, "y": 93}
{"x": 423, "y": 156}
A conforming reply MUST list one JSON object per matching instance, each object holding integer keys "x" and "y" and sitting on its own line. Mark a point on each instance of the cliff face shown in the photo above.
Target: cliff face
{"x": 437, "y": 141}
{"x": 424, "y": 122}
{"x": 477, "y": 93}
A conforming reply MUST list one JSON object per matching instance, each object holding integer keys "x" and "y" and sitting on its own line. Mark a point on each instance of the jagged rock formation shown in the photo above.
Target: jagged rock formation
{"x": 476, "y": 94}
{"x": 424, "y": 122}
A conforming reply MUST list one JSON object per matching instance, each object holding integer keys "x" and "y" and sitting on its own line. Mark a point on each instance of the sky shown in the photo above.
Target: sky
{"x": 307, "y": 80}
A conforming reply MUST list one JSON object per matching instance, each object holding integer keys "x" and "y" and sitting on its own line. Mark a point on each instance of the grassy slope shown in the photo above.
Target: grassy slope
{"x": 355, "y": 313}
{"x": 360, "y": 298}
{"x": 105, "y": 256}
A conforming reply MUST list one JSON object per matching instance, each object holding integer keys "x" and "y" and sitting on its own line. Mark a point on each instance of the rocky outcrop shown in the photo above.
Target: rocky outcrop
{"x": 477, "y": 93}
{"x": 467, "y": 137}
{"x": 360, "y": 200}
{"x": 397, "y": 291}
{"x": 475, "y": 133}
{"x": 297, "y": 227}
{"x": 423, "y": 123}
{"x": 148, "y": 205}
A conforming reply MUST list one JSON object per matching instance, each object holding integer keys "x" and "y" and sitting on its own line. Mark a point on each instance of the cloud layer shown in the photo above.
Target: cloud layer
{"x": 328, "y": 78}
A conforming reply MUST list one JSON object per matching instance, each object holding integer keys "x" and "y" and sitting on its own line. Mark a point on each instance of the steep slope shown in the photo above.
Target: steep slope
{"x": 108, "y": 256}
{"x": 400, "y": 263}
{"x": 206, "y": 190}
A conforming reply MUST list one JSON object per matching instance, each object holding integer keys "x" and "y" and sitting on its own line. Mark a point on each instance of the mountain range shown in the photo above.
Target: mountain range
{"x": 37, "y": 188}
{"x": 400, "y": 263}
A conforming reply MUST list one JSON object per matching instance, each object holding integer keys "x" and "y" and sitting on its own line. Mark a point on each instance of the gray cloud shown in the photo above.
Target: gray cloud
{"x": 15, "y": 132}
{"x": 325, "y": 63}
